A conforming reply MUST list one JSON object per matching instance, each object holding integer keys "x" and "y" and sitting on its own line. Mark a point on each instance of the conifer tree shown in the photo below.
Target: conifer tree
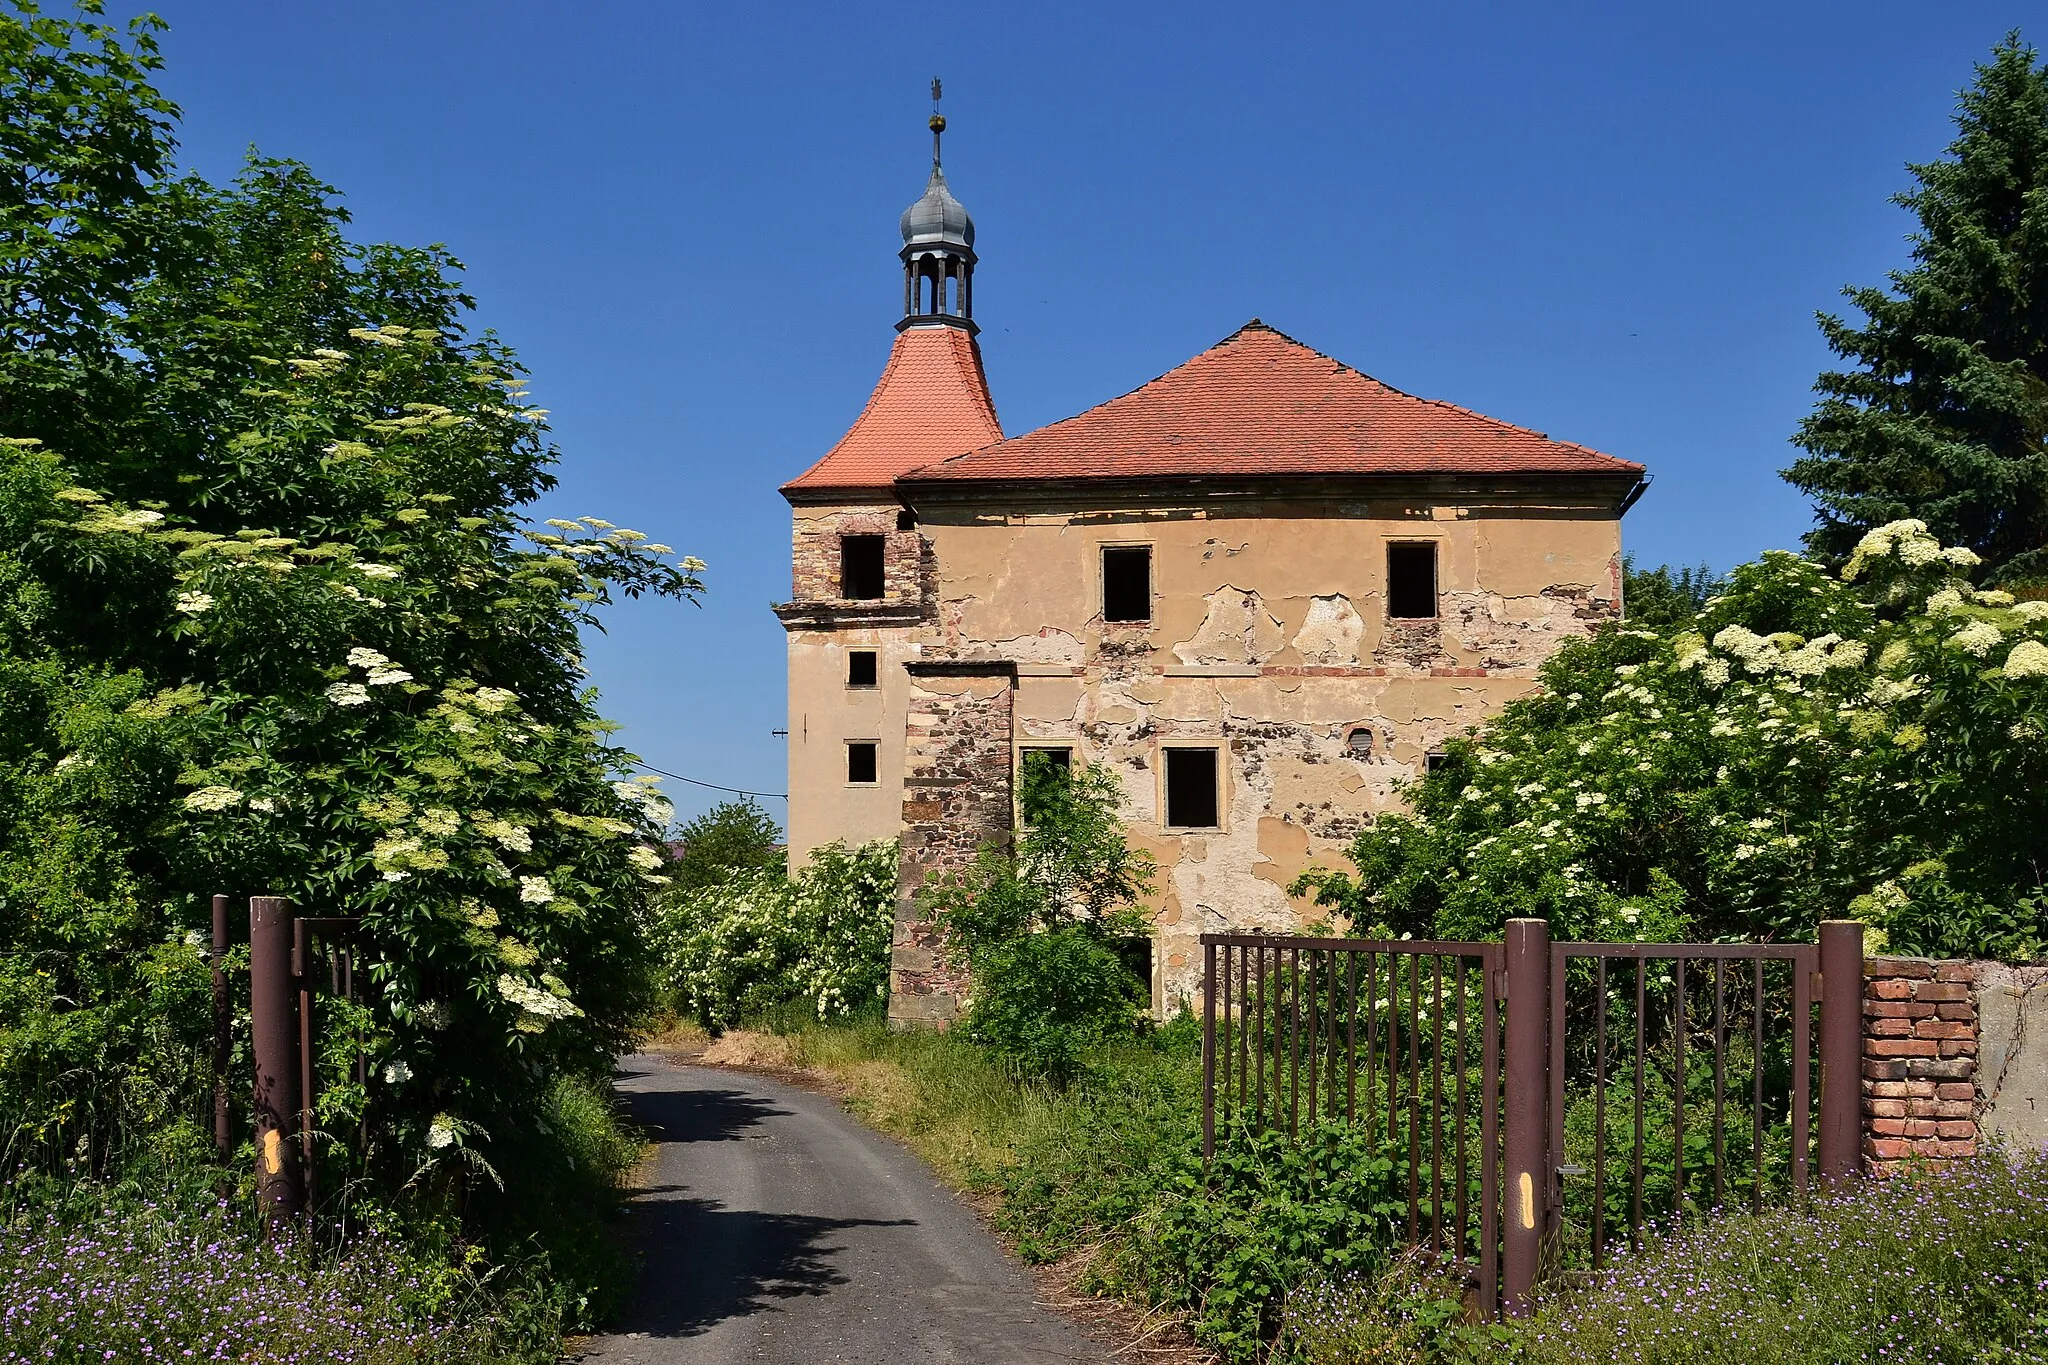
{"x": 1944, "y": 415}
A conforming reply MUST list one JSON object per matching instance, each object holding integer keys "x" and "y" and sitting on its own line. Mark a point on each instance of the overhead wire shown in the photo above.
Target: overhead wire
{"x": 678, "y": 777}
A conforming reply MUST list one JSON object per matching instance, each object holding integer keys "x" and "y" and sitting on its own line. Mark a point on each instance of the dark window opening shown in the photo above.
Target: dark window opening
{"x": 1432, "y": 762}
{"x": 861, "y": 768}
{"x": 1359, "y": 742}
{"x": 1136, "y": 955}
{"x": 1127, "y": 583}
{"x": 1042, "y": 773}
{"x": 860, "y": 567}
{"x": 906, "y": 520}
{"x": 860, "y": 668}
{"x": 1191, "y": 788}
{"x": 1411, "y": 581}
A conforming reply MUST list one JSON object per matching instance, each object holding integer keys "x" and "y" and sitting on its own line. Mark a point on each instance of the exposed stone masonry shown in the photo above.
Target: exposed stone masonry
{"x": 957, "y": 786}
{"x": 814, "y": 554}
{"x": 1919, "y": 1062}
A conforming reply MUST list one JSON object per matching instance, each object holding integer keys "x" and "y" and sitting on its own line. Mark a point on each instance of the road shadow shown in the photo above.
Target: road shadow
{"x": 706, "y": 1263}
{"x": 697, "y": 1115}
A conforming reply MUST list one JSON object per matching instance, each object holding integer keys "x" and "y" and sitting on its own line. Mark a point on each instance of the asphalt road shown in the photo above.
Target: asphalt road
{"x": 777, "y": 1229}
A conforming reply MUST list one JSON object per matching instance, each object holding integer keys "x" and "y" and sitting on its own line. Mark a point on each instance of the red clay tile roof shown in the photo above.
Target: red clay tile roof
{"x": 1259, "y": 403}
{"x": 931, "y": 401}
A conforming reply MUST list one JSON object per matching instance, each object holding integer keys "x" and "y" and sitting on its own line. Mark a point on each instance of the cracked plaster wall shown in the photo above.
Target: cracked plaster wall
{"x": 1269, "y": 639}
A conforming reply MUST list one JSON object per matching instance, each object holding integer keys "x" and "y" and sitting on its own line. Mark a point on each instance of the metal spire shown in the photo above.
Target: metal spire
{"x": 938, "y": 124}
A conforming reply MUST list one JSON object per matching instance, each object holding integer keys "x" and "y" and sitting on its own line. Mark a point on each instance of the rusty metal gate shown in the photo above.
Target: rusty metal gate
{"x": 1596, "y": 1101}
{"x": 294, "y": 962}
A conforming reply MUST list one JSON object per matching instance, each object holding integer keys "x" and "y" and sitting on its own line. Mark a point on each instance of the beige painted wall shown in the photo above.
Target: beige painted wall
{"x": 1269, "y": 640}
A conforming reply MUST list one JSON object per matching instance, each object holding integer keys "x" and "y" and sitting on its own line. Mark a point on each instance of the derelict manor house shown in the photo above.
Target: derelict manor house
{"x": 1261, "y": 589}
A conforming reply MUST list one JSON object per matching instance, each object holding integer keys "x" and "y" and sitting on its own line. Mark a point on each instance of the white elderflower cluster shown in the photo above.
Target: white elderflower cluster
{"x": 193, "y": 603}
{"x": 535, "y": 890}
{"x": 212, "y": 798}
{"x": 641, "y": 792}
{"x": 505, "y": 834}
{"x": 440, "y": 1133}
{"x": 534, "y": 1000}
{"x": 348, "y": 694}
{"x": 2029, "y": 659}
{"x": 1910, "y": 542}
{"x": 1978, "y": 638}
{"x": 644, "y": 857}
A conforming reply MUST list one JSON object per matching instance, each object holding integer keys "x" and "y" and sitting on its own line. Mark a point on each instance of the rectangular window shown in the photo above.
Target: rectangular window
{"x": 1038, "y": 769}
{"x": 861, "y": 768}
{"x": 860, "y": 567}
{"x": 1126, "y": 582}
{"x": 1191, "y": 788}
{"x": 860, "y": 668}
{"x": 1433, "y": 761}
{"x": 1411, "y": 580}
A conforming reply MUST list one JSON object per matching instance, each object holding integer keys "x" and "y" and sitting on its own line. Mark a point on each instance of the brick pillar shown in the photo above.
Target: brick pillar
{"x": 1919, "y": 1062}
{"x": 956, "y": 800}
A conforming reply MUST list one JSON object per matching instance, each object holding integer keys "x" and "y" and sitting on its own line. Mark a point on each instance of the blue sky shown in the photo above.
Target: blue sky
{"x": 1610, "y": 222}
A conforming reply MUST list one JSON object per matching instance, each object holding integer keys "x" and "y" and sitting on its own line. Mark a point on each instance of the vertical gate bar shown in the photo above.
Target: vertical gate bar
{"x": 1223, "y": 1020}
{"x": 362, "y": 1071}
{"x": 1802, "y": 1067}
{"x": 1330, "y": 1028}
{"x": 1243, "y": 1026}
{"x": 1527, "y": 954}
{"x": 1372, "y": 1033}
{"x": 1464, "y": 1226}
{"x": 1756, "y": 1074}
{"x": 1208, "y": 1053}
{"x": 1351, "y": 1038}
{"x": 1414, "y": 1097}
{"x": 1553, "y": 1182}
{"x": 1315, "y": 1034}
{"x": 1436, "y": 1105}
{"x": 1392, "y": 1056}
{"x": 1720, "y": 1082}
{"x": 1678, "y": 1090}
{"x": 1841, "y": 1040}
{"x": 1635, "y": 1227}
{"x": 1293, "y": 1041}
{"x": 1600, "y": 1111}
{"x": 301, "y": 954}
{"x": 270, "y": 1037}
{"x": 223, "y": 1032}
{"x": 1492, "y": 974}
{"x": 1258, "y": 1081}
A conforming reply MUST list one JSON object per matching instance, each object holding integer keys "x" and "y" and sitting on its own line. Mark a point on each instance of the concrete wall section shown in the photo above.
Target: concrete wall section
{"x": 2012, "y": 1059}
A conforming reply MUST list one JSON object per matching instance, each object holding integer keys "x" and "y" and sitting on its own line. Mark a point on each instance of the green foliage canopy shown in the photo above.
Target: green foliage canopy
{"x": 1944, "y": 416}
{"x": 731, "y": 837}
{"x": 272, "y": 619}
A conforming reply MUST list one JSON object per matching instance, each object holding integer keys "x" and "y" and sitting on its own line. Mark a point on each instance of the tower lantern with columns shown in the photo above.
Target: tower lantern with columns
{"x": 938, "y": 250}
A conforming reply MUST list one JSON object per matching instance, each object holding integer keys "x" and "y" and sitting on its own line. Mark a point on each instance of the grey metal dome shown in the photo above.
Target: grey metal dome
{"x": 937, "y": 217}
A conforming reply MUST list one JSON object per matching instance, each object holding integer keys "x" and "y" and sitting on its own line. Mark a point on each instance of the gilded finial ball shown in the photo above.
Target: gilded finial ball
{"x": 938, "y": 123}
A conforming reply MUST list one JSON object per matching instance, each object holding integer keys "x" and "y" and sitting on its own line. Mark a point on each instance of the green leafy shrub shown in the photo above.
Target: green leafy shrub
{"x": 735, "y": 949}
{"x": 731, "y": 837}
{"x": 1038, "y": 926}
{"x": 1807, "y": 744}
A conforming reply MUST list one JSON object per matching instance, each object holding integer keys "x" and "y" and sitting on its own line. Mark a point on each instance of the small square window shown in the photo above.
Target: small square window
{"x": 1191, "y": 788}
{"x": 906, "y": 520}
{"x": 861, "y": 767}
{"x": 860, "y": 567}
{"x": 1432, "y": 762}
{"x": 1038, "y": 768}
{"x": 860, "y": 668}
{"x": 1127, "y": 583}
{"x": 1411, "y": 581}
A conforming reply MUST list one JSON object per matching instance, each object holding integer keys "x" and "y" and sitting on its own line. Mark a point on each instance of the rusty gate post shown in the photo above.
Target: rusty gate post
{"x": 1841, "y": 1046}
{"x": 1527, "y": 1187}
{"x": 1208, "y": 1051}
{"x": 223, "y": 1024}
{"x": 274, "y": 1041}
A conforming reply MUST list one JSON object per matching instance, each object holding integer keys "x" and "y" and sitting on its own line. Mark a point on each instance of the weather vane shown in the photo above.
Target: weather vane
{"x": 938, "y": 124}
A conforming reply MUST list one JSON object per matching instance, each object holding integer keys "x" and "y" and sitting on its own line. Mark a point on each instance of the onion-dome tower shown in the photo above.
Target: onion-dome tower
{"x": 938, "y": 250}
